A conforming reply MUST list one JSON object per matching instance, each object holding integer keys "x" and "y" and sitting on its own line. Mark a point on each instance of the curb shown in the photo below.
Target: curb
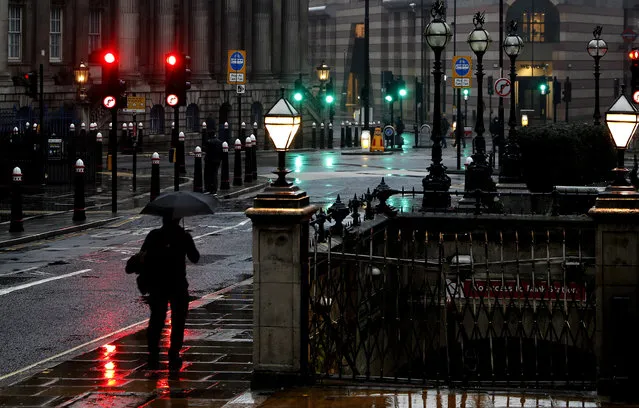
{"x": 246, "y": 190}
{"x": 61, "y": 231}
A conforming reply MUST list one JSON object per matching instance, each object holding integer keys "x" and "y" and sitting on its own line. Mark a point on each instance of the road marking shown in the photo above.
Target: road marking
{"x": 223, "y": 229}
{"x": 40, "y": 282}
{"x": 20, "y": 271}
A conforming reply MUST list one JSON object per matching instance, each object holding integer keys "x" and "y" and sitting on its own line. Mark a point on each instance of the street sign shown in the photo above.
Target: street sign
{"x": 502, "y": 87}
{"x": 109, "y": 102}
{"x": 236, "y": 67}
{"x": 635, "y": 96}
{"x": 462, "y": 82}
{"x": 135, "y": 104}
{"x": 628, "y": 35}
{"x": 241, "y": 89}
{"x": 462, "y": 67}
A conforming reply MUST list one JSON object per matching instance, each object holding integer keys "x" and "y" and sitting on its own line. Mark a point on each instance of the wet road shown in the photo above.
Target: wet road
{"x": 63, "y": 294}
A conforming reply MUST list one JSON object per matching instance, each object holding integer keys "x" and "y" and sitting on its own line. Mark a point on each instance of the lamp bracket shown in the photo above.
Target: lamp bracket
{"x": 479, "y": 19}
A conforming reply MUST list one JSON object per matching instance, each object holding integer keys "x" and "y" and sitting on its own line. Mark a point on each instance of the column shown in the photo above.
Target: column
{"x": 218, "y": 55}
{"x": 81, "y": 26}
{"x": 262, "y": 36}
{"x": 199, "y": 46}
{"x": 290, "y": 36}
{"x": 165, "y": 33}
{"x": 41, "y": 32}
{"x": 4, "y": 39}
{"x": 302, "y": 38}
{"x": 232, "y": 23}
{"x": 129, "y": 21}
{"x": 276, "y": 37}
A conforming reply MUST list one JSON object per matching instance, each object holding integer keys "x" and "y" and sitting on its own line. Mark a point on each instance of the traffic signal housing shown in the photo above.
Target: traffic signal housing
{"x": 400, "y": 85}
{"x": 31, "y": 84}
{"x": 634, "y": 71}
{"x": 556, "y": 89}
{"x": 329, "y": 98}
{"x": 389, "y": 93}
{"x": 298, "y": 93}
{"x": 543, "y": 88}
{"x": 466, "y": 93}
{"x": 113, "y": 86}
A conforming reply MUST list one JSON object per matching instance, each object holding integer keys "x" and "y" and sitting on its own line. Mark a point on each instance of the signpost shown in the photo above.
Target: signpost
{"x": 462, "y": 72}
{"x": 502, "y": 87}
{"x": 236, "y": 67}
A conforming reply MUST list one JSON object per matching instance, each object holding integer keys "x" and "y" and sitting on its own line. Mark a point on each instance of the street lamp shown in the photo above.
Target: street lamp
{"x": 479, "y": 172}
{"x": 282, "y": 123}
{"x": 81, "y": 78}
{"x": 323, "y": 74}
{"x": 597, "y": 48}
{"x": 622, "y": 119}
{"x": 510, "y": 168}
{"x": 437, "y": 183}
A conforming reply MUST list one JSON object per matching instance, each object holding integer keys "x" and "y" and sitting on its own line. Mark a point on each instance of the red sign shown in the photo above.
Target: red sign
{"x": 109, "y": 102}
{"x": 172, "y": 100}
{"x": 509, "y": 289}
{"x": 628, "y": 35}
{"x": 635, "y": 96}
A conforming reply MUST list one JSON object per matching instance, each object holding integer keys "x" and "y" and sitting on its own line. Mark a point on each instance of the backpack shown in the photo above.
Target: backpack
{"x": 136, "y": 264}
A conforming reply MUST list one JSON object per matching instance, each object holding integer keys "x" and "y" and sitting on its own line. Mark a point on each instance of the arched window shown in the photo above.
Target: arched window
{"x": 538, "y": 20}
{"x": 192, "y": 118}
{"x": 157, "y": 119}
{"x": 257, "y": 114}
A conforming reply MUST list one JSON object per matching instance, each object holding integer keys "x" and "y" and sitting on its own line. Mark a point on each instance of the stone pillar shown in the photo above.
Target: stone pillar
{"x": 4, "y": 39}
{"x": 232, "y": 22}
{"x": 302, "y": 36}
{"x": 616, "y": 214}
{"x": 42, "y": 24}
{"x": 165, "y": 33}
{"x": 291, "y": 37}
{"x": 200, "y": 43}
{"x": 262, "y": 36}
{"x": 276, "y": 37}
{"x": 217, "y": 50}
{"x": 280, "y": 217}
{"x": 128, "y": 28}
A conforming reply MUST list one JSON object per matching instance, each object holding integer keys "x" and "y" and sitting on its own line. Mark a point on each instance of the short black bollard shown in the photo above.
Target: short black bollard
{"x": 237, "y": 164}
{"x": 330, "y": 135}
{"x": 349, "y": 135}
{"x": 16, "y": 224}
{"x": 356, "y": 135}
{"x": 254, "y": 156}
{"x": 248, "y": 156}
{"x": 242, "y": 131}
{"x": 226, "y": 136}
{"x": 98, "y": 162}
{"x": 155, "y": 175}
{"x": 181, "y": 153}
{"x": 197, "y": 170}
{"x": 71, "y": 145}
{"x": 313, "y": 136}
{"x": 255, "y": 134}
{"x": 322, "y": 135}
{"x": 79, "y": 210}
{"x": 342, "y": 136}
{"x": 224, "y": 182}
{"x": 205, "y": 136}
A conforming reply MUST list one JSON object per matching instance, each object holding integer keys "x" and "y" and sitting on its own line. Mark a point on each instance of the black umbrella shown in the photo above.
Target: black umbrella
{"x": 180, "y": 204}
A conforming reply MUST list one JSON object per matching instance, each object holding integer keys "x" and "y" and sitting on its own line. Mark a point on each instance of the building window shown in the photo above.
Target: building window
{"x": 359, "y": 31}
{"x": 534, "y": 27}
{"x": 95, "y": 30}
{"x": 55, "y": 34}
{"x": 157, "y": 119}
{"x": 15, "y": 33}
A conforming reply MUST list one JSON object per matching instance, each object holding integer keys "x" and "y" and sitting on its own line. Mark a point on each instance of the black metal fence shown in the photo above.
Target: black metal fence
{"x": 452, "y": 299}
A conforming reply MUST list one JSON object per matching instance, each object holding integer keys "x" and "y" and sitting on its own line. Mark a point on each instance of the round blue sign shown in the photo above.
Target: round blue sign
{"x": 462, "y": 67}
{"x": 389, "y": 131}
{"x": 237, "y": 61}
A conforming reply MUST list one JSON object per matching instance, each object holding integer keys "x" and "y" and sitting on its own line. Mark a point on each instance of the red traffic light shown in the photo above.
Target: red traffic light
{"x": 171, "y": 59}
{"x": 109, "y": 57}
{"x": 172, "y": 100}
{"x": 633, "y": 54}
{"x": 26, "y": 76}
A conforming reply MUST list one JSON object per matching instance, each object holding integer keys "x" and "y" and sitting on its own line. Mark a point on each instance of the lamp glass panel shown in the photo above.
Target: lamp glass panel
{"x": 437, "y": 34}
{"x": 478, "y": 40}
{"x": 621, "y": 126}
{"x": 282, "y": 130}
{"x": 513, "y": 45}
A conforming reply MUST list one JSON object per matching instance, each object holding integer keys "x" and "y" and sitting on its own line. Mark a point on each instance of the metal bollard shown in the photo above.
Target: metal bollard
{"x": 330, "y": 135}
{"x": 322, "y": 135}
{"x": 313, "y": 136}
{"x": 256, "y": 135}
{"x": 16, "y": 224}
{"x": 79, "y": 210}
{"x": 248, "y": 156}
{"x": 356, "y": 135}
{"x": 237, "y": 165}
{"x": 242, "y": 131}
{"x": 224, "y": 182}
{"x": 197, "y": 170}
{"x": 181, "y": 153}
{"x": 227, "y": 134}
{"x": 155, "y": 175}
{"x": 205, "y": 137}
{"x": 98, "y": 162}
{"x": 342, "y": 136}
{"x": 254, "y": 156}
{"x": 349, "y": 135}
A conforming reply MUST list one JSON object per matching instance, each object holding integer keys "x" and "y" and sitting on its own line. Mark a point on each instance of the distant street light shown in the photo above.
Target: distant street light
{"x": 597, "y": 48}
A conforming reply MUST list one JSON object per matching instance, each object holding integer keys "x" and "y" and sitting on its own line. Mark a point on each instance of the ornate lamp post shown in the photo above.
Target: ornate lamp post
{"x": 479, "y": 172}
{"x": 437, "y": 183}
{"x": 622, "y": 120}
{"x": 81, "y": 74}
{"x": 511, "y": 167}
{"x": 323, "y": 75}
{"x": 597, "y": 48}
{"x": 282, "y": 123}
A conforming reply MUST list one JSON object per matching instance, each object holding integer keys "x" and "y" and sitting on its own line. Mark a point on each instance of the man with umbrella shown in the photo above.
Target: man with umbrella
{"x": 165, "y": 251}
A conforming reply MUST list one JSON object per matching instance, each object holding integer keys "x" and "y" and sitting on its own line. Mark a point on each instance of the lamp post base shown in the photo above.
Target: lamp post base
{"x": 436, "y": 186}
{"x": 479, "y": 178}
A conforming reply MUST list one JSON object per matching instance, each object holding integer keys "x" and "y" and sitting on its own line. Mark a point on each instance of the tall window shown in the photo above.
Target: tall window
{"x": 359, "y": 31}
{"x": 534, "y": 27}
{"x": 15, "y": 33}
{"x": 95, "y": 30}
{"x": 55, "y": 34}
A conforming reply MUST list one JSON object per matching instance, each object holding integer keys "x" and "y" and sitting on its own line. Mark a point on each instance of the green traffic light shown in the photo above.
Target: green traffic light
{"x": 543, "y": 88}
{"x": 402, "y": 92}
{"x": 389, "y": 98}
{"x": 466, "y": 91}
{"x": 297, "y": 96}
{"x": 329, "y": 99}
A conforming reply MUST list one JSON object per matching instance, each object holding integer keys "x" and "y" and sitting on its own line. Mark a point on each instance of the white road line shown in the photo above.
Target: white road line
{"x": 46, "y": 360}
{"x": 223, "y": 229}
{"x": 40, "y": 282}
{"x": 20, "y": 271}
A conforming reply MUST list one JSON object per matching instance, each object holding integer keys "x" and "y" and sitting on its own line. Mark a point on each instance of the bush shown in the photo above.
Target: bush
{"x": 565, "y": 154}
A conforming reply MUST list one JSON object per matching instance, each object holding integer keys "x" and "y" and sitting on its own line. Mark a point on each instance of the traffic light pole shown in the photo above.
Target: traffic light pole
{"x": 44, "y": 142}
{"x": 113, "y": 142}
{"x": 176, "y": 164}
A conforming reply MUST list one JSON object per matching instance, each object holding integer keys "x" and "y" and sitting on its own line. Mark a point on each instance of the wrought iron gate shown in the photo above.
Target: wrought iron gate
{"x": 455, "y": 304}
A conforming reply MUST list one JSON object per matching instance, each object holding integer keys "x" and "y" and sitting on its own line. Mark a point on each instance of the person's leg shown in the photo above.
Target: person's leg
{"x": 179, "y": 310}
{"x": 158, "y": 305}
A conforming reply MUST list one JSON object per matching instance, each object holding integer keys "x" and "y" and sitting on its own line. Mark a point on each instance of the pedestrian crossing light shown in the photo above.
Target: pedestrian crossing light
{"x": 466, "y": 93}
{"x": 543, "y": 88}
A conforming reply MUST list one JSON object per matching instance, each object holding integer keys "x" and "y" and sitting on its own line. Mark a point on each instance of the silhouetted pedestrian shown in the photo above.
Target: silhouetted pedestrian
{"x": 165, "y": 250}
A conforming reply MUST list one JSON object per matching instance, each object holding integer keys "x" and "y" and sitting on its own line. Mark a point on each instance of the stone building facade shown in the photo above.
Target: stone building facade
{"x": 59, "y": 34}
{"x": 555, "y": 32}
